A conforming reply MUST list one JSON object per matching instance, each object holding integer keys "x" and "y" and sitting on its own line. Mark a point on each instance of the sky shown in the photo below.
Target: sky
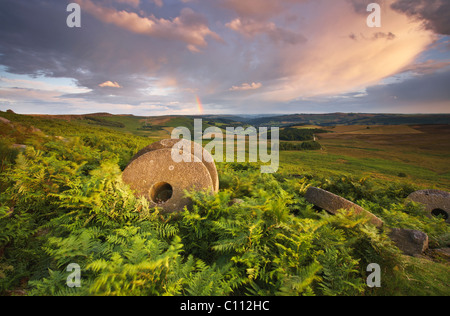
{"x": 186, "y": 57}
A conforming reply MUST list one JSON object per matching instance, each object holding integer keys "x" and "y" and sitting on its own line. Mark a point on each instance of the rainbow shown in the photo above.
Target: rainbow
{"x": 199, "y": 104}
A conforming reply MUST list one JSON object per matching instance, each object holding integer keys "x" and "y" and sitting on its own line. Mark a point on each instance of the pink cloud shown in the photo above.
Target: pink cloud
{"x": 333, "y": 62}
{"x": 189, "y": 27}
{"x": 250, "y": 27}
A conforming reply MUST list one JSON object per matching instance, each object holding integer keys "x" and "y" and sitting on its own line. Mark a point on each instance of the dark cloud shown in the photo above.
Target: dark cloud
{"x": 418, "y": 89}
{"x": 388, "y": 36}
{"x": 434, "y": 13}
{"x": 360, "y": 6}
{"x": 375, "y": 36}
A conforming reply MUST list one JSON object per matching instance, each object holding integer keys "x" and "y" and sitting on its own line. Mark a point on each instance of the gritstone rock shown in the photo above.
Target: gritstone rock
{"x": 410, "y": 242}
{"x": 332, "y": 203}
{"x": 153, "y": 174}
{"x": 180, "y": 144}
{"x": 436, "y": 202}
{"x": 6, "y": 121}
{"x": 19, "y": 147}
{"x": 441, "y": 254}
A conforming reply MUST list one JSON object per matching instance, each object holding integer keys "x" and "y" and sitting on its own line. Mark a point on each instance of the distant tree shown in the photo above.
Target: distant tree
{"x": 293, "y": 134}
{"x": 313, "y": 145}
{"x": 309, "y": 145}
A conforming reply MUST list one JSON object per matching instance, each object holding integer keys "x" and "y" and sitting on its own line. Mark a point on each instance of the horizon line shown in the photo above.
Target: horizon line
{"x": 226, "y": 114}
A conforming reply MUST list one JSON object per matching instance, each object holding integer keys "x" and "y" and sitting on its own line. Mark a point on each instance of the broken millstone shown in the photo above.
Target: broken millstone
{"x": 410, "y": 242}
{"x": 153, "y": 174}
{"x": 332, "y": 203}
{"x": 436, "y": 202}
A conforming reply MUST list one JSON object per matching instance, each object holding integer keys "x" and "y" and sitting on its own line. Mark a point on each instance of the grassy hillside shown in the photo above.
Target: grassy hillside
{"x": 153, "y": 127}
{"x": 62, "y": 201}
{"x": 352, "y": 119}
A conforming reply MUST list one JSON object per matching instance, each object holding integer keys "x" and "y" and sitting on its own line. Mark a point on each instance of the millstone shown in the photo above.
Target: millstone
{"x": 332, "y": 203}
{"x": 154, "y": 175}
{"x": 436, "y": 202}
{"x": 206, "y": 157}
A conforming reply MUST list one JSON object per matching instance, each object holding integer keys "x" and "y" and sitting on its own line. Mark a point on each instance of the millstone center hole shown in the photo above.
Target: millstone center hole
{"x": 438, "y": 212}
{"x": 161, "y": 192}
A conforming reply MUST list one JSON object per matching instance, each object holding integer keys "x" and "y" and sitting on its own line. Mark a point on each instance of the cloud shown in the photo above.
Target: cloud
{"x": 254, "y": 18}
{"x": 360, "y": 6}
{"x": 251, "y": 28}
{"x": 413, "y": 94}
{"x": 133, "y": 3}
{"x": 425, "y": 90}
{"x": 189, "y": 27}
{"x": 435, "y": 14}
{"x": 109, "y": 84}
{"x": 277, "y": 56}
{"x": 426, "y": 68}
{"x": 42, "y": 85}
{"x": 258, "y": 9}
{"x": 331, "y": 62}
{"x": 375, "y": 36}
{"x": 246, "y": 86}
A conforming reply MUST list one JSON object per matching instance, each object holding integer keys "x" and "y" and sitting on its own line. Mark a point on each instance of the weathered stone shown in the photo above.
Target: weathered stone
{"x": 6, "y": 121}
{"x": 410, "y": 242}
{"x": 237, "y": 201}
{"x": 436, "y": 202}
{"x": 442, "y": 254}
{"x": 205, "y": 157}
{"x": 332, "y": 203}
{"x": 155, "y": 176}
{"x": 19, "y": 147}
{"x": 35, "y": 129}
{"x": 66, "y": 140}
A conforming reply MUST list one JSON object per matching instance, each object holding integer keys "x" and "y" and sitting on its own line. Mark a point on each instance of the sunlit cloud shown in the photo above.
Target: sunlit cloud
{"x": 246, "y": 86}
{"x": 109, "y": 84}
{"x": 189, "y": 27}
{"x": 333, "y": 62}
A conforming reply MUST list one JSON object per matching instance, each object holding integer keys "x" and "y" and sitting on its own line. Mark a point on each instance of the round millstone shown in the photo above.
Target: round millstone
{"x": 205, "y": 156}
{"x": 332, "y": 203}
{"x": 155, "y": 176}
{"x": 436, "y": 202}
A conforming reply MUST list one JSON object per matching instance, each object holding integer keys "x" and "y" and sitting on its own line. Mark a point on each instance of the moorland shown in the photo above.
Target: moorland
{"x": 62, "y": 201}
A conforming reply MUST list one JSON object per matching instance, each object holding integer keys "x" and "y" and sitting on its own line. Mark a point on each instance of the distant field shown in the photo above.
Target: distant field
{"x": 373, "y": 130}
{"x": 419, "y": 154}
